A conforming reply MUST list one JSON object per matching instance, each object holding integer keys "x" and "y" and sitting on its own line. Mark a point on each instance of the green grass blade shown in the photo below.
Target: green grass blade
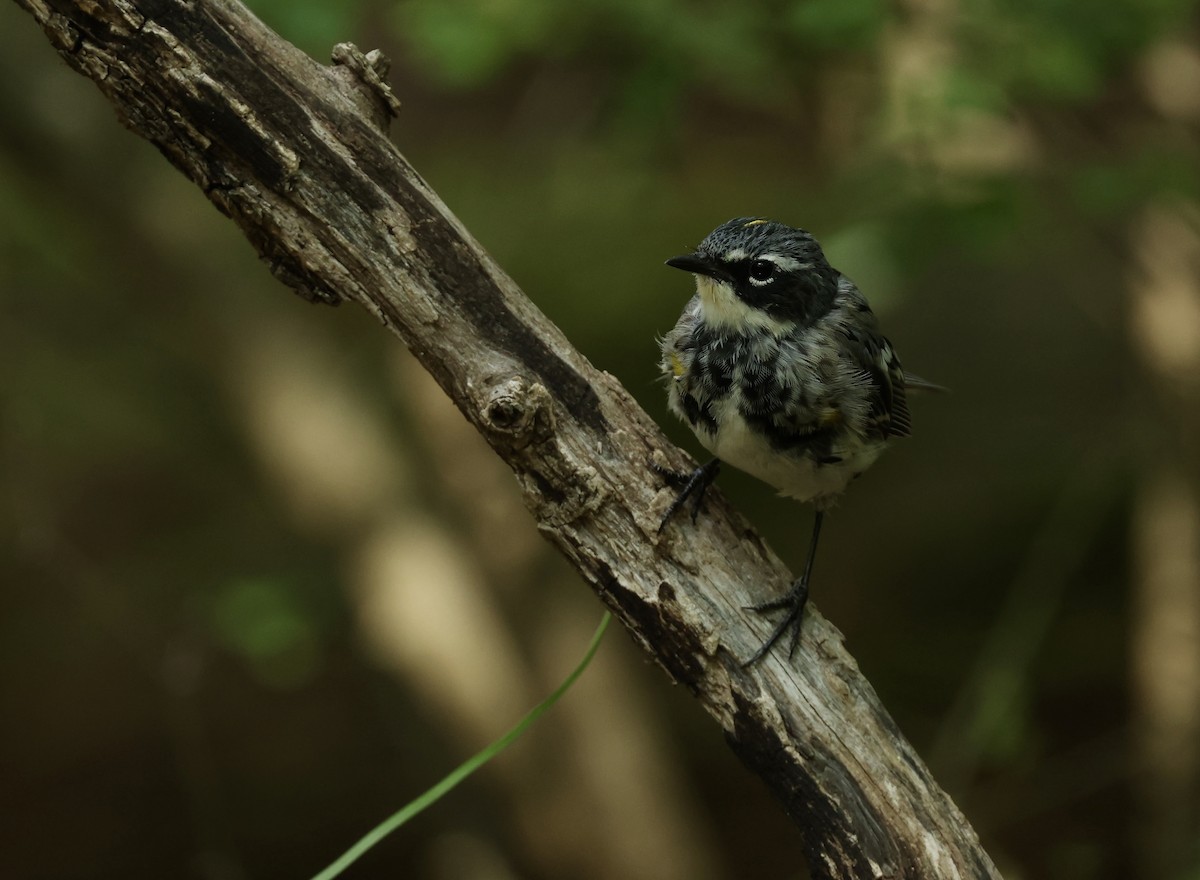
{"x": 464, "y": 769}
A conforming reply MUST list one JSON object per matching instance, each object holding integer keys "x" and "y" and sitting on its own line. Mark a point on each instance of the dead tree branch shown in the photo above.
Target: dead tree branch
{"x": 297, "y": 155}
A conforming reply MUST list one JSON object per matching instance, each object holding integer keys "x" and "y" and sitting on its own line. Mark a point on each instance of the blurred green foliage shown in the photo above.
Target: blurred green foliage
{"x": 264, "y": 622}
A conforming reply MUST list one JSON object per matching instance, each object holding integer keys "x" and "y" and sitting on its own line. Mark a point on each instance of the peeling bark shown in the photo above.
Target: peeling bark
{"x": 297, "y": 155}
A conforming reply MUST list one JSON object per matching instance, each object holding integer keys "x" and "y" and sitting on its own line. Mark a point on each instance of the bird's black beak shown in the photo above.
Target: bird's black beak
{"x": 699, "y": 265}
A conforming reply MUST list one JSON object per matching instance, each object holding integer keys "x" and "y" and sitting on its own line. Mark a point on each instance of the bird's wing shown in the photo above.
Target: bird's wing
{"x": 876, "y": 385}
{"x": 876, "y": 371}
{"x": 889, "y": 403}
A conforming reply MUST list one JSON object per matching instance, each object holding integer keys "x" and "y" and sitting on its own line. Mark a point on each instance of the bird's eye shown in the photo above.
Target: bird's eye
{"x": 762, "y": 270}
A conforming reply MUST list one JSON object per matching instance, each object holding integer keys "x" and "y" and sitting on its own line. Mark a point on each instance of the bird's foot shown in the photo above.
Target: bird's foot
{"x": 691, "y": 484}
{"x": 793, "y": 602}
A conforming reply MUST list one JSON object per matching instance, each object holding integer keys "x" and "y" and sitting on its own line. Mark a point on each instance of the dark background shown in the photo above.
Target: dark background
{"x": 261, "y": 584}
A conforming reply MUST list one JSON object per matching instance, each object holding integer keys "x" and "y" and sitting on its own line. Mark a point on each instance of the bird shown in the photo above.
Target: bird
{"x": 778, "y": 366}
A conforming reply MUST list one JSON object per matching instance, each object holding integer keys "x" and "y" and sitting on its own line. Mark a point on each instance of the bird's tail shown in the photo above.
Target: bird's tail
{"x": 913, "y": 382}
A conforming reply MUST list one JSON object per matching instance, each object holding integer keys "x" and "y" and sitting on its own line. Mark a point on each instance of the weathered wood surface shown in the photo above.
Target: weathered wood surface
{"x": 296, "y": 153}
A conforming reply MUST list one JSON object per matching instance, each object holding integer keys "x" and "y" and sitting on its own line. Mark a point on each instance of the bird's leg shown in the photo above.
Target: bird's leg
{"x": 794, "y": 601}
{"x": 691, "y": 484}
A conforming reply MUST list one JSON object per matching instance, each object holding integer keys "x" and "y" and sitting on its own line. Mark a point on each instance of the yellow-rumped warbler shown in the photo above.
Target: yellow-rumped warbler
{"x": 778, "y": 366}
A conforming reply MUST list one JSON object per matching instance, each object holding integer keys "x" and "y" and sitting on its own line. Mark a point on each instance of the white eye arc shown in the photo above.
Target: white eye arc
{"x": 762, "y": 271}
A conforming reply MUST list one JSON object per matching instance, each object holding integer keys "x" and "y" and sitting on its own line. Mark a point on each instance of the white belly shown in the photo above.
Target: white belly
{"x": 794, "y": 475}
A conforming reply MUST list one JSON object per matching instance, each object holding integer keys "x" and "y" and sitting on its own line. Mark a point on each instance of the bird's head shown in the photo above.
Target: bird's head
{"x": 760, "y": 273}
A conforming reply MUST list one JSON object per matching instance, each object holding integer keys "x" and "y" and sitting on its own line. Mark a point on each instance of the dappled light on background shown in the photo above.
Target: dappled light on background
{"x": 937, "y": 116}
{"x": 1171, "y": 78}
{"x": 1166, "y": 291}
{"x": 1165, "y": 305}
{"x": 427, "y": 616}
{"x": 324, "y": 449}
{"x": 1166, "y": 658}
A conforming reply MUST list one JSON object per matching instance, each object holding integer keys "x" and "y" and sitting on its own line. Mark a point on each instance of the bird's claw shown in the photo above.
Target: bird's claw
{"x": 794, "y": 601}
{"x": 691, "y": 484}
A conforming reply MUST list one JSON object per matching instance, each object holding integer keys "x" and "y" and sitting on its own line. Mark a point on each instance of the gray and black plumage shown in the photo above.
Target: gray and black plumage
{"x": 778, "y": 366}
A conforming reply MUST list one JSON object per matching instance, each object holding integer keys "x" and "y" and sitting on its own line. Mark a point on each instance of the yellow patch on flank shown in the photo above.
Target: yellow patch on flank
{"x": 829, "y": 417}
{"x": 677, "y": 367}
{"x": 754, "y": 223}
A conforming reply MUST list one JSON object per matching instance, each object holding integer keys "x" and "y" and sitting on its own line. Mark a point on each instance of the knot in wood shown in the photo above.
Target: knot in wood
{"x": 517, "y": 409}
